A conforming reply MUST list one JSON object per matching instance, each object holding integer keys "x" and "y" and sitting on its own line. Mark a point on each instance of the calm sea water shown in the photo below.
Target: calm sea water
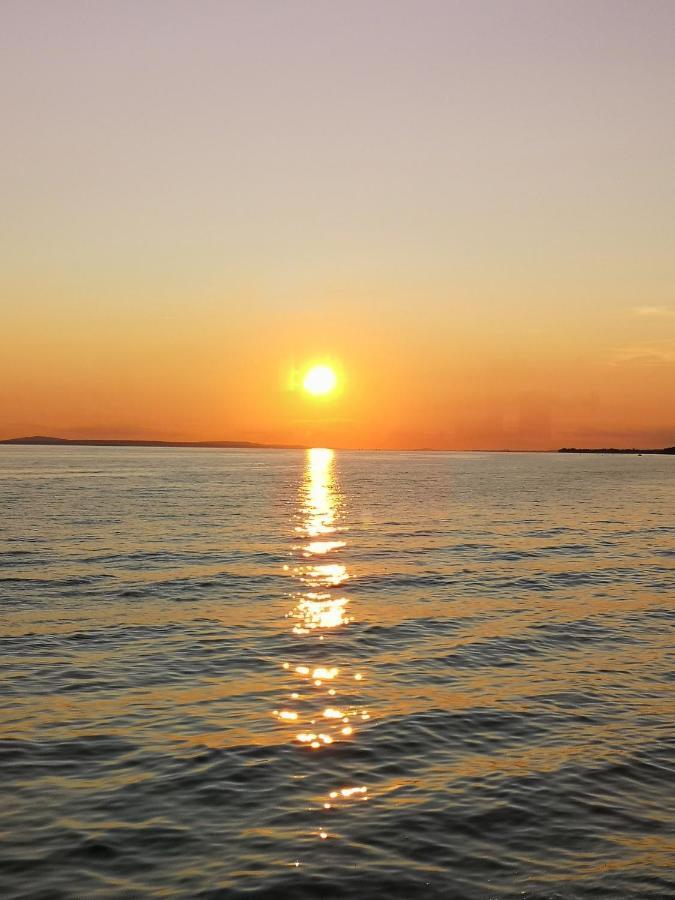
{"x": 284, "y": 674}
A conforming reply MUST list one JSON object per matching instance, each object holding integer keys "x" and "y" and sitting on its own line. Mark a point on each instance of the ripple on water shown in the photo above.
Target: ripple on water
{"x": 169, "y": 632}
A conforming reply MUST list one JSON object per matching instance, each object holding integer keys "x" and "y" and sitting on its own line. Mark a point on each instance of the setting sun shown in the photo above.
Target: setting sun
{"x": 320, "y": 380}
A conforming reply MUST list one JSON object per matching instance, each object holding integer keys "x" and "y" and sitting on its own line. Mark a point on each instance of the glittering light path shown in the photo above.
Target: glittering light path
{"x": 321, "y": 707}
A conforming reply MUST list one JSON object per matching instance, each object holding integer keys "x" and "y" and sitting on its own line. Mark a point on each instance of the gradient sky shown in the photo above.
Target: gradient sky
{"x": 468, "y": 207}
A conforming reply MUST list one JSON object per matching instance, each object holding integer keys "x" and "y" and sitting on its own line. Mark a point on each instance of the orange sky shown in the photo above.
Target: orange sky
{"x": 469, "y": 213}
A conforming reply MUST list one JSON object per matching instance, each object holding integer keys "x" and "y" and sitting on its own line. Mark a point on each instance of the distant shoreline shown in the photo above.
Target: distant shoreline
{"x": 47, "y": 441}
{"x": 668, "y": 451}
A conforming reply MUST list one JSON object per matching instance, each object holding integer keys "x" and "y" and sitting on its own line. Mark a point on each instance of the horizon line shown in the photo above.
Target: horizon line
{"x": 53, "y": 441}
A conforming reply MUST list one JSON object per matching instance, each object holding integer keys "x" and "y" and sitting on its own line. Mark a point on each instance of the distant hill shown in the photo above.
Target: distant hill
{"x": 45, "y": 441}
{"x": 666, "y": 450}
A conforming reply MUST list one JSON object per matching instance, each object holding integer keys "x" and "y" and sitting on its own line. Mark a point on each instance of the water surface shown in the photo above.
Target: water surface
{"x": 285, "y": 674}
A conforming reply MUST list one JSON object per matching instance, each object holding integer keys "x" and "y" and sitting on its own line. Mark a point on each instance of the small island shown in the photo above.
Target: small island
{"x": 670, "y": 451}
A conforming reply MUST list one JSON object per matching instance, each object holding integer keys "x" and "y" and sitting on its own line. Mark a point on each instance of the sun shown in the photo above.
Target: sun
{"x": 320, "y": 380}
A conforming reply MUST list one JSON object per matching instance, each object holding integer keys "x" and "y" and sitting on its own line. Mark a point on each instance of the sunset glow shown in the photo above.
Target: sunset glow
{"x": 337, "y": 434}
{"x": 404, "y": 264}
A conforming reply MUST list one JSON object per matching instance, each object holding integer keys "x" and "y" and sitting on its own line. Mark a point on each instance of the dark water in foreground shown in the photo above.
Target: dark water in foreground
{"x": 278, "y": 674}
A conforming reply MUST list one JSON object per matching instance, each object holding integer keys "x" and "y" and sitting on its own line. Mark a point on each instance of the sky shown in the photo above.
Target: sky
{"x": 467, "y": 208}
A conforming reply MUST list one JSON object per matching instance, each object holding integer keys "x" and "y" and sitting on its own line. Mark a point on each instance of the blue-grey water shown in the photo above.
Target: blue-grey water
{"x": 364, "y": 675}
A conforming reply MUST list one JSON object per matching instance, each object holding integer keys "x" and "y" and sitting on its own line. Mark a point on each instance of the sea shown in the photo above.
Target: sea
{"x": 330, "y": 674}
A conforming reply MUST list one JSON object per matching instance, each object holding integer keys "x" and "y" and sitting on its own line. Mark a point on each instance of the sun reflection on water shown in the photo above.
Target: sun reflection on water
{"x": 324, "y": 710}
{"x": 318, "y": 609}
{"x": 320, "y": 496}
{"x": 319, "y": 547}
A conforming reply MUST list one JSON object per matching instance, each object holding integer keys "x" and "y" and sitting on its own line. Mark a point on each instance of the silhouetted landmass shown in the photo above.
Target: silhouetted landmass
{"x": 44, "y": 441}
{"x": 41, "y": 440}
{"x": 667, "y": 450}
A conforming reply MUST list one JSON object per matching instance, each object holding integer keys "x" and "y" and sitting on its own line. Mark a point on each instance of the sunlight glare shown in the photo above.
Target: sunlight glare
{"x": 320, "y": 380}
